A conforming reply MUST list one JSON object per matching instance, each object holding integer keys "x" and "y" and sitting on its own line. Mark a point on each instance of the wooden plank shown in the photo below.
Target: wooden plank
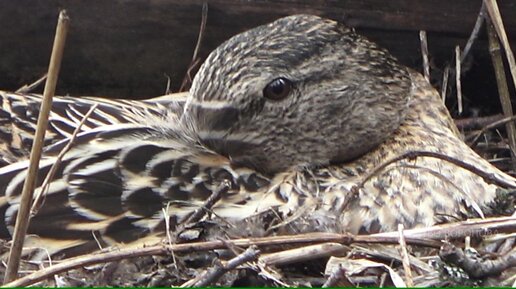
{"x": 126, "y": 48}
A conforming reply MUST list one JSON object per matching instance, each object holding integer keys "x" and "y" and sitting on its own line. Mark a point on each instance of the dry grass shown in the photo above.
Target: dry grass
{"x": 23, "y": 217}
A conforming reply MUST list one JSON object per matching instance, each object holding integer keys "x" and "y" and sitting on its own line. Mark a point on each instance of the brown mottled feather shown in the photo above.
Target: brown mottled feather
{"x": 419, "y": 192}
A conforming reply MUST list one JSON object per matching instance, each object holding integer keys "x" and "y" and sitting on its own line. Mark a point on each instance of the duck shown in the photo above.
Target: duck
{"x": 305, "y": 124}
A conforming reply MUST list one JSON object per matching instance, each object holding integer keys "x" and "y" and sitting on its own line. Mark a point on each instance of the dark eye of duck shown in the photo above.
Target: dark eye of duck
{"x": 277, "y": 89}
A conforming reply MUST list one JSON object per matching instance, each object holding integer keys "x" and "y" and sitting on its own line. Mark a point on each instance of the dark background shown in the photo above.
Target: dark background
{"x": 127, "y": 48}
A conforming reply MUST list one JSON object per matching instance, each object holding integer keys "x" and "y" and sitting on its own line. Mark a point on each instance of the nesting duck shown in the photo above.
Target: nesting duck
{"x": 301, "y": 117}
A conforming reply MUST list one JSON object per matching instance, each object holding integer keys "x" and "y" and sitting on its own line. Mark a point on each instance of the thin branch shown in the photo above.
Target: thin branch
{"x": 476, "y": 122}
{"x": 471, "y": 40}
{"x": 426, "y": 237}
{"x": 459, "y": 61}
{"x": 474, "y": 34}
{"x": 208, "y": 204}
{"x": 503, "y": 88}
{"x": 28, "y": 88}
{"x": 405, "y": 258}
{"x": 477, "y": 267}
{"x": 488, "y": 178}
{"x": 195, "y": 58}
{"x": 300, "y": 239}
{"x": 457, "y": 78}
{"x": 458, "y": 230}
{"x": 424, "y": 52}
{"x": 496, "y": 18}
{"x": 495, "y": 124}
{"x": 337, "y": 277}
{"x": 200, "y": 212}
{"x": 212, "y": 275}
{"x": 444, "y": 87}
{"x": 22, "y": 219}
{"x": 302, "y": 254}
{"x": 167, "y": 87}
{"x": 51, "y": 173}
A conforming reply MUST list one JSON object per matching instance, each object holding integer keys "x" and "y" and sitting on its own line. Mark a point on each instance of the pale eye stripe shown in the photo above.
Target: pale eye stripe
{"x": 210, "y": 104}
{"x": 212, "y": 134}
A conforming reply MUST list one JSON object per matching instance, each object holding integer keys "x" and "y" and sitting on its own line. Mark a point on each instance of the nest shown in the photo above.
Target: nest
{"x": 477, "y": 252}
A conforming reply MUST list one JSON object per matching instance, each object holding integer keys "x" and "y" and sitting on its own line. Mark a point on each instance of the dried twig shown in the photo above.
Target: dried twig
{"x": 208, "y": 204}
{"x": 22, "y": 220}
{"x": 391, "y": 254}
{"x": 476, "y": 122}
{"x": 337, "y": 277}
{"x": 474, "y": 33}
{"x": 195, "y": 60}
{"x": 508, "y": 244}
{"x": 424, "y": 52}
{"x": 28, "y": 88}
{"x": 300, "y": 239}
{"x": 405, "y": 258}
{"x": 420, "y": 236}
{"x": 458, "y": 230}
{"x": 302, "y": 254}
{"x": 457, "y": 78}
{"x": 503, "y": 89}
{"x": 444, "y": 87}
{"x": 200, "y": 212}
{"x": 51, "y": 173}
{"x": 496, "y": 18}
{"x": 495, "y": 124}
{"x": 167, "y": 87}
{"x": 212, "y": 275}
{"x": 489, "y": 178}
{"x": 471, "y": 40}
{"x": 477, "y": 267}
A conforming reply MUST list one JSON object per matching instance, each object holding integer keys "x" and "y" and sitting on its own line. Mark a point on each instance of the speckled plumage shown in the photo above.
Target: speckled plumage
{"x": 341, "y": 82}
{"x": 352, "y": 108}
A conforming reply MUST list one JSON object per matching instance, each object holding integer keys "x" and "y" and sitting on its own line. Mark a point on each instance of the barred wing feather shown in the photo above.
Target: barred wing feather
{"x": 111, "y": 188}
{"x": 117, "y": 177}
{"x": 19, "y": 113}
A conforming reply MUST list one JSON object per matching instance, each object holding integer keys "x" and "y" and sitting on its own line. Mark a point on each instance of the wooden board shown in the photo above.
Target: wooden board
{"x": 128, "y": 48}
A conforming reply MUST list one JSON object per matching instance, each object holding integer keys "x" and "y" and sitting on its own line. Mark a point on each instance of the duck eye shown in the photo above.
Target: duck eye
{"x": 277, "y": 89}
